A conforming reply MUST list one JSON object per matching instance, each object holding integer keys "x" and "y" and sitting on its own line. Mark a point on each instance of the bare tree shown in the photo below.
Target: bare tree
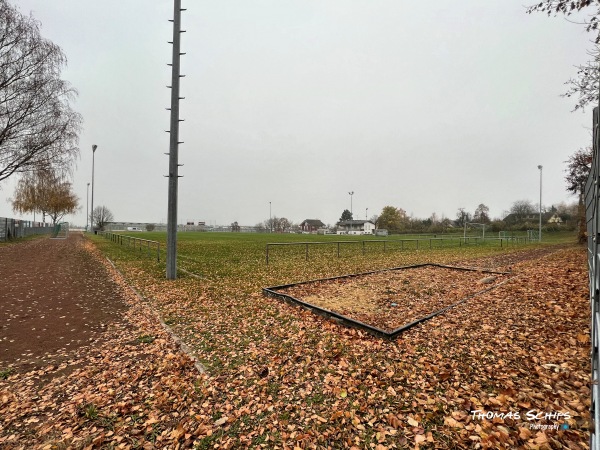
{"x": 47, "y": 193}
{"x": 38, "y": 128}
{"x": 568, "y": 7}
{"x": 482, "y": 214}
{"x": 585, "y": 84}
{"x": 522, "y": 208}
{"x": 101, "y": 215}
{"x": 462, "y": 217}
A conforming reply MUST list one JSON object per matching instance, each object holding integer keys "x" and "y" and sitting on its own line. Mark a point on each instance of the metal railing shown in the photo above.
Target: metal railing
{"x": 16, "y": 228}
{"x": 592, "y": 202}
{"x": 131, "y": 241}
{"x": 400, "y": 244}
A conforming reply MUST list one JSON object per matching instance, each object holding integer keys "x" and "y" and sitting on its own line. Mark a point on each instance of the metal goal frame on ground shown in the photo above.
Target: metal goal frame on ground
{"x": 376, "y": 331}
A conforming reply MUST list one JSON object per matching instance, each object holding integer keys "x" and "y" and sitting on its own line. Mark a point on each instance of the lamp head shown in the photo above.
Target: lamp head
{"x": 94, "y": 147}
{"x": 540, "y": 167}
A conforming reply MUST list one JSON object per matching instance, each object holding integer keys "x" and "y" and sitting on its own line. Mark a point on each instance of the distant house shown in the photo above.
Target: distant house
{"x": 547, "y": 217}
{"x": 555, "y": 219}
{"x": 311, "y": 225}
{"x": 356, "y": 227}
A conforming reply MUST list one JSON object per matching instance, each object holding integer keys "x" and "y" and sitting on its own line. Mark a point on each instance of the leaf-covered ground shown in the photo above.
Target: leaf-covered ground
{"x": 279, "y": 377}
{"x": 389, "y": 299}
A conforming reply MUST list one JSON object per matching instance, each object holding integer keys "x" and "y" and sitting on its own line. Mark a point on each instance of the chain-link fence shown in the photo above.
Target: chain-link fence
{"x": 592, "y": 202}
{"x": 16, "y": 228}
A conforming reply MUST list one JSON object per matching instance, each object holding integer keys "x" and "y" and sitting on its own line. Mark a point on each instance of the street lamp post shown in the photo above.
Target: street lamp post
{"x": 94, "y": 147}
{"x": 367, "y": 214}
{"x": 87, "y": 207}
{"x": 270, "y": 219}
{"x": 540, "y": 230}
{"x": 351, "y": 194}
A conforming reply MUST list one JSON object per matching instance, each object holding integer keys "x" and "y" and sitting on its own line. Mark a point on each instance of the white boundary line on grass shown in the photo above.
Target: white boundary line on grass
{"x": 182, "y": 345}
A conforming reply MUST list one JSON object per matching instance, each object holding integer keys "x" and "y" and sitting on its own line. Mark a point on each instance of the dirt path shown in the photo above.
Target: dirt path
{"x": 79, "y": 350}
{"x": 54, "y": 299}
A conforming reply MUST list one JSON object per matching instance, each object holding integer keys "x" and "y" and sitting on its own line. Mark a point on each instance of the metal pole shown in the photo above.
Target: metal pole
{"x": 351, "y": 194}
{"x": 87, "y": 207}
{"x": 270, "y": 219}
{"x": 94, "y": 147}
{"x": 174, "y": 145}
{"x": 540, "y": 230}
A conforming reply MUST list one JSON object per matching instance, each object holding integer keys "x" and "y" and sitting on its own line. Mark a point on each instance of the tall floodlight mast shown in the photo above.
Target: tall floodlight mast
{"x": 174, "y": 144}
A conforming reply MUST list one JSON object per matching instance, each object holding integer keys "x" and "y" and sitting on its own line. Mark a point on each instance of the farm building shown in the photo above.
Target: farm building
{"x": 356, "y": 227}
{"x": 311, "y": 225}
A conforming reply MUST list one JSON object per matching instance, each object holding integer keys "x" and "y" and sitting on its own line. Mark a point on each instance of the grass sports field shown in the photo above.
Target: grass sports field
{"x": 222, "y": 255}
{"x": 280, "y": 377}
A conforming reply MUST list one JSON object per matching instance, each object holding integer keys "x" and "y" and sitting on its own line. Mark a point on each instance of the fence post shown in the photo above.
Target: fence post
{"x": 338, "y": 245}
{"x": 307, "y": 251}
{"x": 363, "y": 242}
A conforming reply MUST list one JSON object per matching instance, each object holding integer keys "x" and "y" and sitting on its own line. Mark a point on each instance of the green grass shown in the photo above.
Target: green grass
{"x": 145, "y": 339}
{"x": 241, "y": 256}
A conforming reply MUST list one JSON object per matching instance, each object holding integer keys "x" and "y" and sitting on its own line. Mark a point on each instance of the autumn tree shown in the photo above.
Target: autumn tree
{"x": 38, "y": 128}
{"x": 578, "y": 169}
{"x": 585, "y": 83}
{"x": 392, "y": 218}
{"x": 101, "y": 215}
{"x": 46, "y": 192}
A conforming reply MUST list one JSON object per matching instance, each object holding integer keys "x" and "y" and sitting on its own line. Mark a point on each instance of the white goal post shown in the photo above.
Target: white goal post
{"x": 473, "y": 224}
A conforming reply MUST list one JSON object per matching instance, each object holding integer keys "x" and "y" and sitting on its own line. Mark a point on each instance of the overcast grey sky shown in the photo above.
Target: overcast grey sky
{"x": 427, "y": 106}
